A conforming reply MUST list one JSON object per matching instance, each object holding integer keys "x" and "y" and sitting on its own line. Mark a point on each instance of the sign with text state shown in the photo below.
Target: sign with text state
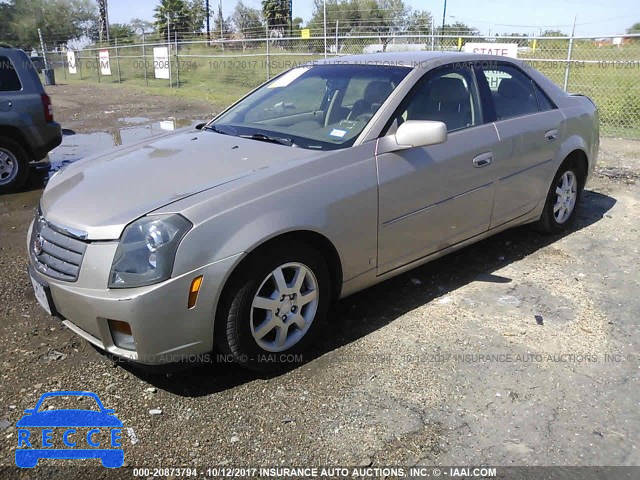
{"x": 71, "y": 62}
{"x": 161, "y": 62}
{"x": 305, "y": 33}
{"x": 501, "y": 49}
{"x": 105, "y": 66}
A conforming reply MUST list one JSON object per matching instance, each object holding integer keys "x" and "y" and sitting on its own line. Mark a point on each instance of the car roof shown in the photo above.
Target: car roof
{"x": 68, "y": 393}
{"x": 413, "y": 59}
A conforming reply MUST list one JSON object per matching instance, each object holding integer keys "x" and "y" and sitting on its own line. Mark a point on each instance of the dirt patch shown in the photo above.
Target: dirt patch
{"x": 91, "y": 108}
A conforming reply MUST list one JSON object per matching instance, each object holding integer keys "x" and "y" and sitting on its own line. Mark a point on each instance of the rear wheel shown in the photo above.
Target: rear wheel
{"x": 273, "y": 307}
{"x": 14, "y": 165}
{"x": 562, "y": 199}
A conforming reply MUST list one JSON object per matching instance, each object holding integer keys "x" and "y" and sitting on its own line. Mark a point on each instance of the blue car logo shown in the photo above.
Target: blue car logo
{"x": 36, "y": 433}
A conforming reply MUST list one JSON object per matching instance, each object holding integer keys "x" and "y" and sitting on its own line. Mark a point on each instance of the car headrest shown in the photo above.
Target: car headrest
{"x": 512, "y": 88}
{"x": 448, "y": 90}
{"x": 377, "y": 91}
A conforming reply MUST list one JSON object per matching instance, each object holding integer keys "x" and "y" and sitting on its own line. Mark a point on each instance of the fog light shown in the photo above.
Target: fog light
{"x": 193, "y": 291}
{"x": 121, "y": 334}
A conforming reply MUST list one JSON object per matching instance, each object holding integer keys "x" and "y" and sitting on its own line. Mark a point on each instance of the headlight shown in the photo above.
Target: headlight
{"x": 147, "y": 250}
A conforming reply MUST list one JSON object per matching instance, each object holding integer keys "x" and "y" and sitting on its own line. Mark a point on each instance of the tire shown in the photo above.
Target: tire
{"x": 563, "y": 198}
{"x": 14, "y": 165}
{"x": 273, "y": 333}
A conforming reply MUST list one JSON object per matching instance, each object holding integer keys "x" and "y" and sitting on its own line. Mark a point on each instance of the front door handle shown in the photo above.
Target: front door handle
{"x": 551, "y": 135}
{"x": 483, "y": 160}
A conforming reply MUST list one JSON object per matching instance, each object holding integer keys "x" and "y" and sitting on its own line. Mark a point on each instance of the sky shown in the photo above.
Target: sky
{"x": 594, "y": 17}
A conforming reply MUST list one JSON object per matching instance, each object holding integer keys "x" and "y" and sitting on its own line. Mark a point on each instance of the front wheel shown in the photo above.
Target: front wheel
{"x": 562, "y": 199}
{"x": 274, "y": 306}
{"x": 14, "y": 165}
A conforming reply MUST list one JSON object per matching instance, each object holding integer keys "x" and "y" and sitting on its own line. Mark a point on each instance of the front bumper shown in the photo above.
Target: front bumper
{"x": 164, "y": 329}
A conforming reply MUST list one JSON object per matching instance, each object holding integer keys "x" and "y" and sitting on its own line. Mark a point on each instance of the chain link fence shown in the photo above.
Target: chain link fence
{"x": 605, "y": 69}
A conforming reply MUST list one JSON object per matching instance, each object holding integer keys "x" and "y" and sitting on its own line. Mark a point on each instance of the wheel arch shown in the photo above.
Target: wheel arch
{"x": 306, "y": 237}
{"x": 579, "y": 157}
{"x": 16, "y": 134}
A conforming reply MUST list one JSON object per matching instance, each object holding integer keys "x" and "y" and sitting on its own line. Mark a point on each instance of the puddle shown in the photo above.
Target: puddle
{"x": 134, "y": 120}
{"x": 75, "y": 147}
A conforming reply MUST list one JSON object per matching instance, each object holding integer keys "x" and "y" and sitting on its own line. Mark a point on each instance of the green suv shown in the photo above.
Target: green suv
{"x": 27, "y": 129}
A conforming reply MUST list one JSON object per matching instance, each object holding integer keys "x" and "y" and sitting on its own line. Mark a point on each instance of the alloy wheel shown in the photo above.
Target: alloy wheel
{"x": 284, "y": 307}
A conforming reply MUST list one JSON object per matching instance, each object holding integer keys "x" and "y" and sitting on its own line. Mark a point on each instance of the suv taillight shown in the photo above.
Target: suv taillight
{"x": 48, "y": 108}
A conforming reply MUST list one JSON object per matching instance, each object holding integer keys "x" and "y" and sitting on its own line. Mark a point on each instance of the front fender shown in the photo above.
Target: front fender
{"x": 335, "y": 196}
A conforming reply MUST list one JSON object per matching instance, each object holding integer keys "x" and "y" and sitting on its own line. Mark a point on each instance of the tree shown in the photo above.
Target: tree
{"x": 141, "y": 26}
{"x": 384, "y": 18}
{"x": 458, "y": 28}
{"x": 276, "y": 14}
{"x": 363, "y": 17}
{"x": 123, "y": 32}
{"x": 553, "y": 33}
{"x": 246, "y": 21}
{"x": 420, "y": 23}
{"x": 222, "y": 27}
{"x": 198, "y": 14}
{"x": 185, "y": 17}
{"x": 521, "y": 38}
{"x": 297, "y": 23}
{"x": 635, "y": 28}
{"x": 175, "y": 15}
{"x": 59, "y": 20}
{"x": 6, "y": 20}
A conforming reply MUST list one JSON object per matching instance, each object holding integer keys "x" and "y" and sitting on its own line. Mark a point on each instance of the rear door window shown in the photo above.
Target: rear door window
{"x": 9, "y": 81}
{"x": 512, "y": 91}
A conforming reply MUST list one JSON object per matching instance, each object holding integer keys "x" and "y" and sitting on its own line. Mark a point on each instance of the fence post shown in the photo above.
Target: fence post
{"x": 98, "y": 65}
{"x": 567, "y": 68}
{"x": 118, "y": 62}
{"x": 175, "y": 36}
{"x": 169, "y": 49}
{"x": 79, "y": 64}
{"x": 144, "y": 60}
{"x": 337, "y": 36}
{"x": 433, "y": 37}
{"x": 268, "y": 63}
{"x": 62, "y": 61}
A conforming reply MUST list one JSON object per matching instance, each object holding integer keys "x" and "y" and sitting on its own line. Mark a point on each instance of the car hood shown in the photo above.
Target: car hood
{"x": 100, "y": 195}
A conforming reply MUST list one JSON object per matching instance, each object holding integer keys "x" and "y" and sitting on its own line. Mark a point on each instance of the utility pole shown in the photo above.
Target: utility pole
{"x": 324, "y": 9}
{"x": 444, "y": 16}
{"x": 103, "y": 13}
{"x": 208, "y": 22}
{"x": 221, "y": 18}
{"x": 290, "y": 18}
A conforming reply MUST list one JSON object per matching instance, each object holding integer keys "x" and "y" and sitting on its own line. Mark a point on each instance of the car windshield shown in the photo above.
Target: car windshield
{"x": 322, "y": 107}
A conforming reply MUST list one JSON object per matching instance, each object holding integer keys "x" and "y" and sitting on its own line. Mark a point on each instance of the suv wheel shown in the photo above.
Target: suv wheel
{"x": 14, "y": 165}
{"x": 274, "y": 306}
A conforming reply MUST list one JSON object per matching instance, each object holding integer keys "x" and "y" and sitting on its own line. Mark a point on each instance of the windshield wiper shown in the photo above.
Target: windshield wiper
{"x": 266, "y": 138}
{"x": 224, "y": 131}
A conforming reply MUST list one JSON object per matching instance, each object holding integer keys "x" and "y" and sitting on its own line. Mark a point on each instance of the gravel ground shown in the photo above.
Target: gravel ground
{"x": 520, "y": 350}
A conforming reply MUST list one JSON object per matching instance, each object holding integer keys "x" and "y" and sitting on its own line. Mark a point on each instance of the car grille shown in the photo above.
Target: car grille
{"x": 54, "y": 253}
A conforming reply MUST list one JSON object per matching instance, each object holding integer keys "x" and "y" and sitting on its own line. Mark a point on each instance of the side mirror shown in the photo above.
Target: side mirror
{"x": 420, "y": 133}
{"x": 200, "y": 126}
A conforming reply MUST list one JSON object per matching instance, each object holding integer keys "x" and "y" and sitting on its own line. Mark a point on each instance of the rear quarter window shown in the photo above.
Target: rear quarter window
{"x": 9, "y": 80}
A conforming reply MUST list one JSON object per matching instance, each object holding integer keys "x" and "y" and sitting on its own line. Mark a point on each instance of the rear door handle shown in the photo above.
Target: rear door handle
{"x": 483, "y": 160}
{"x": 551, "y": 135}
